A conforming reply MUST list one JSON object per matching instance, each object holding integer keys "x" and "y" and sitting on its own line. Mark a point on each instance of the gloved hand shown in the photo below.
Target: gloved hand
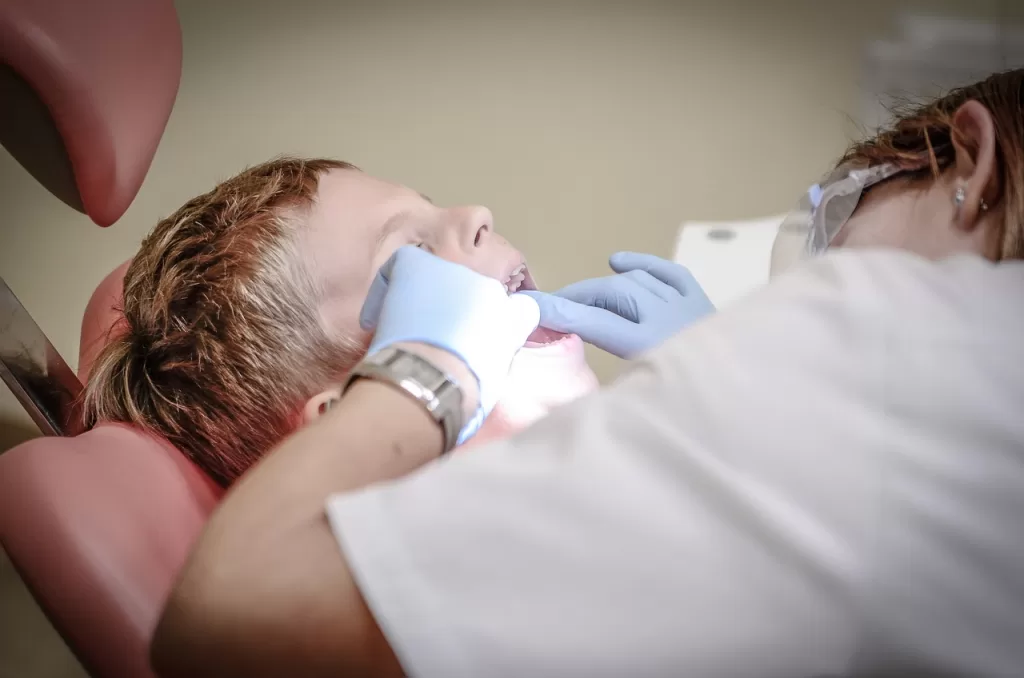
{"x": 418, "y": 297}
{"x": 648, "y": 301}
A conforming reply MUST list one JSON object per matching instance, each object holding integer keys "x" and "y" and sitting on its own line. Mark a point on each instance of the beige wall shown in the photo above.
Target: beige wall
{"x": 586, "y": 126}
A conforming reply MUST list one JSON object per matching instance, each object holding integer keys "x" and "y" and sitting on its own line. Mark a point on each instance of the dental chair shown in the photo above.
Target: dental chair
{"x": 97, "y": 523}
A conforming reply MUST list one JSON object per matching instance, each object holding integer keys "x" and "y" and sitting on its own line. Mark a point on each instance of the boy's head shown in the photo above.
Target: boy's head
{"x": 242, "y": 307}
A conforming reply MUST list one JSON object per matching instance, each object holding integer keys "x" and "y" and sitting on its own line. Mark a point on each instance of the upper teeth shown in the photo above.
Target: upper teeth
{"x": 515, "y": 279}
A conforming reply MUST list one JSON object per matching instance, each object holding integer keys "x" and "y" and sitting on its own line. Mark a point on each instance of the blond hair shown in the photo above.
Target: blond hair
{"x": 222, "y": 336}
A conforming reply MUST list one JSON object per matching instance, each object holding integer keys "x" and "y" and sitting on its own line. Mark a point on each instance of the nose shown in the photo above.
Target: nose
{"x": 471, "y": 241}
{"x": 475, "y": 226}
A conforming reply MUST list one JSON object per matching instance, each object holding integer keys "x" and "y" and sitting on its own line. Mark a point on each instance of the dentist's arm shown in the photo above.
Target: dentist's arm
{"x": 646, "y": 302}
{"x": 266, "y": 591}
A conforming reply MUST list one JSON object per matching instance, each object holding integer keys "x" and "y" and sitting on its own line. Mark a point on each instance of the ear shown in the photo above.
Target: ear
{"x": 974, "y": 140}
{"x": 319, "y": 405}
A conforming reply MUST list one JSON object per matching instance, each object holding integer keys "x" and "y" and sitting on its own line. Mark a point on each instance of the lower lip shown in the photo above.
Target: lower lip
{"x": 545, "y": 337}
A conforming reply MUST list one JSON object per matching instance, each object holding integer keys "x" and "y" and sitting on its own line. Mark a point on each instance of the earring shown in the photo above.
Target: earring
{"x": 961, "y": 195}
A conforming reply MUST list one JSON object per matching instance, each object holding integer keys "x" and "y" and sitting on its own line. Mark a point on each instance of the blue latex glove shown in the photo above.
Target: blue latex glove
{"x": 419, "y": 297}
{"x": 648, "y": 301}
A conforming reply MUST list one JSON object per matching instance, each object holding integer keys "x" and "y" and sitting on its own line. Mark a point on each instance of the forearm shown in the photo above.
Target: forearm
{"x": 374, "y": 433}
{"x": 268, "y": 560}
{"x": 267, "y": 591}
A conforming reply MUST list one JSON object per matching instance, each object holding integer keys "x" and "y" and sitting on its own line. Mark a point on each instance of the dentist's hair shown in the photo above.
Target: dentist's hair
{"x": 920, "y": 141}
{"x": 222, "y": 334}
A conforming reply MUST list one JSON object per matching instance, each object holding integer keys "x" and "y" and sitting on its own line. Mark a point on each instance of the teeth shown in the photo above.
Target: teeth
{"x": 515, "y": 279}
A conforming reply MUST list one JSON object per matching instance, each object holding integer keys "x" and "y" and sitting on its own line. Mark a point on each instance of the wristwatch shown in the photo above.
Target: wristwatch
{"x": 420, "y": 379}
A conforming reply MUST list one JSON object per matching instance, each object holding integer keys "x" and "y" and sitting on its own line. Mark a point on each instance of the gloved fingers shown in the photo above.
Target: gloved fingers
{"x": 556, "y": 313}
{"x": 596, "y": 326}
{"x": 619, "y": 294}
{"x": 524, "y": 316}
{"x": 370, "y": 312}
{"x": 648, "y": 282}
{"x": 621, "y": 262}
{"x": 589, "y": 292}
{"x": 668, "y": 272}
{"x": 607, "y": 292}
{"x": 415, "y": 264}
{"x": 405, "y": 257}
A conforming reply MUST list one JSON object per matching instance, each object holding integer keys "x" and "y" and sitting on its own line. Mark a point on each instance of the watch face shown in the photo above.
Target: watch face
{"x": 423, "y": 381}
{"x": 424, "y": 373}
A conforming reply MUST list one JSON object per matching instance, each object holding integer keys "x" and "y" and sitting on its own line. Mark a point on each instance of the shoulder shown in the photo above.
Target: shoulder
{"x": 841, "y": 350}
{"x": 855, "y": 296}
{"x": 891, "y": 278}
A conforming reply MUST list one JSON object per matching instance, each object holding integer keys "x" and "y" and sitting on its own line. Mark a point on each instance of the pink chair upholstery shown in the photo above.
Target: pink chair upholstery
{"x": 99, "y": 525}
{"x": 86, "y": 88}
{"x": 101, "y": 319}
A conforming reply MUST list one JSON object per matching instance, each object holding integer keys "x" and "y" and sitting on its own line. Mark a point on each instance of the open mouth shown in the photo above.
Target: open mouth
{"x": 518, "y": 280}
{"x": 542, "y": 336}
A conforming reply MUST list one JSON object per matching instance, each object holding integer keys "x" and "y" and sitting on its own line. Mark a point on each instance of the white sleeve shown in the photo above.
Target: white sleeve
{"x": 682, "y": 522}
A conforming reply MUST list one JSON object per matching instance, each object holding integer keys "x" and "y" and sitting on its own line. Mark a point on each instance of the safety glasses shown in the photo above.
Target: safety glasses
{"x": 827, "y": 206}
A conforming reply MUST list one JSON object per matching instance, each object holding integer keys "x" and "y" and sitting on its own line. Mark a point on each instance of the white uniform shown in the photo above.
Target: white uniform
{"x": 825, "y": 480}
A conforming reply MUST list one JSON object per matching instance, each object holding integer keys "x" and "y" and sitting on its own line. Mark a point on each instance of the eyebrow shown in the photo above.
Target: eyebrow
{"x": 393, "y": 222}
{"x": 389, "y": 227}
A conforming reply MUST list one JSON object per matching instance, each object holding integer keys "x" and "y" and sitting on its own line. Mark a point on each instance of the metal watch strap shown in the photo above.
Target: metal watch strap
{"x": 439, "y": 394}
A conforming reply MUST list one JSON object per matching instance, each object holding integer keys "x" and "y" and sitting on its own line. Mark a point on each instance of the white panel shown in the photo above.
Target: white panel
{"x": 728, "y": 258}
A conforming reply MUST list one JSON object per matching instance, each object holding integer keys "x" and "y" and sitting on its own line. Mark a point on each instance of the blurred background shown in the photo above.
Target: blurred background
{"x": 673, "y": 127}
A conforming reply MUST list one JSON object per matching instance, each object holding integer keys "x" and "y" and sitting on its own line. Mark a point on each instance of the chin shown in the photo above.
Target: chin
{"x": 548, "y": 372}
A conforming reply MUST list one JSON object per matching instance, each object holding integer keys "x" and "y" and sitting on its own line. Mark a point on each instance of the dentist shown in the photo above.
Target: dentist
{"x": 827, "y": 479}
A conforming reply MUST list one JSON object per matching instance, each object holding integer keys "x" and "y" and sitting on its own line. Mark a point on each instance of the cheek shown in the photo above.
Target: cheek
{"x": 340, "y": 315}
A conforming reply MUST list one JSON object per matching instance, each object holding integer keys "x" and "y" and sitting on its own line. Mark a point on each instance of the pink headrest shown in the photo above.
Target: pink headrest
{"x": 107, "y": 73}
{"x": 99, "y": 526}
{"x": 101, "y": 319}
